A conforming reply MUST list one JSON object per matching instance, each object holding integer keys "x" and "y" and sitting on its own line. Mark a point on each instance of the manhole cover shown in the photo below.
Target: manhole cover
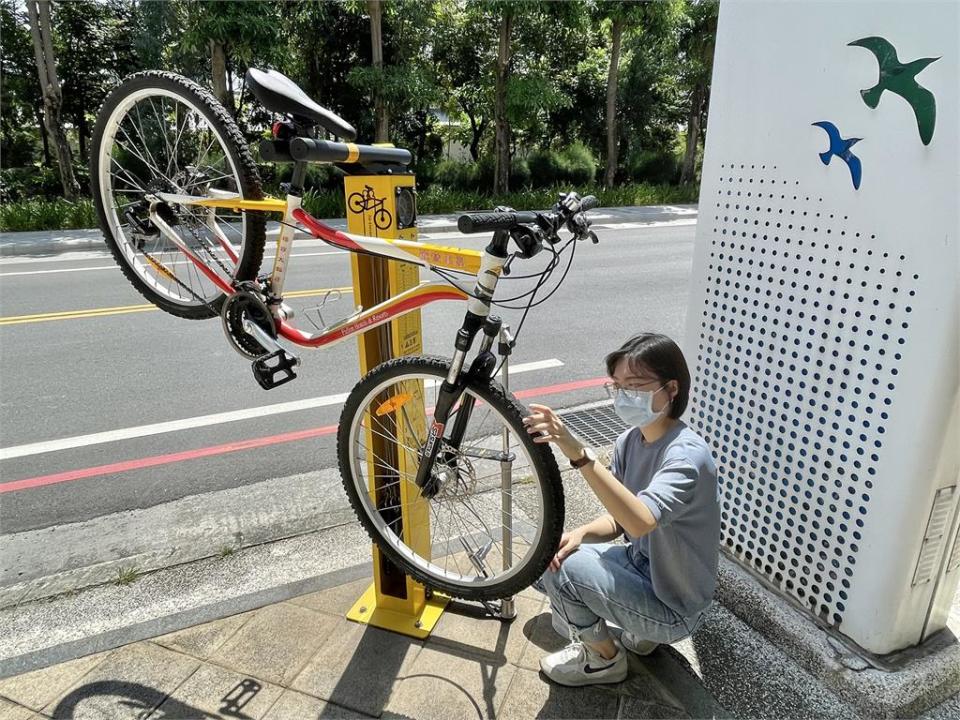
{"x": 596, "y": 425}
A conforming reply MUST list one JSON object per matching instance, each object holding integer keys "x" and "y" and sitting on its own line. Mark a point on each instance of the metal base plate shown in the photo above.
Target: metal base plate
{"x": 420, "y": 625}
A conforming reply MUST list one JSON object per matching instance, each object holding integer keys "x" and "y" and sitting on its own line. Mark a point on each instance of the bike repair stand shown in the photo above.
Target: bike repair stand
{"x": 382, "y": 202}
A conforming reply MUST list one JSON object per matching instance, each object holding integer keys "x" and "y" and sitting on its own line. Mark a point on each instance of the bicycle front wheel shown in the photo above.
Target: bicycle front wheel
{"x": 158, "y": 132}
{"x": 495, "y": 520}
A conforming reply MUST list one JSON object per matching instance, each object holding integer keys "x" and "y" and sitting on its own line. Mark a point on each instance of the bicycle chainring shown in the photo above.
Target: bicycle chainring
{"x": 249, "y": 305}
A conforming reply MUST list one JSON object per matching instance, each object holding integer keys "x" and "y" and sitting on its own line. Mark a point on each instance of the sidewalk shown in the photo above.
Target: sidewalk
{"x": 50, "y": 242}
{"x": 302, "y": 659}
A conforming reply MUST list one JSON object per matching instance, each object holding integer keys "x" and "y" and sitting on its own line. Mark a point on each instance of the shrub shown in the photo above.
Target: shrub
{"x": 580, "y": 164}
{"x": 37, "y": 181}
{"x": 655, "y": 166}
{"x": 547, "y": 167}
{"x": 46, "y": 215}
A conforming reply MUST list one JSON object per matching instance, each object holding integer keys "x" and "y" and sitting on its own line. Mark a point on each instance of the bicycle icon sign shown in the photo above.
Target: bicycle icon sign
{"x": 367, "y": 201}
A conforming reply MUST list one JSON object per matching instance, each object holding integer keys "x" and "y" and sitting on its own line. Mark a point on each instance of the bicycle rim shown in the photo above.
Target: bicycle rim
{"x": 477, "y": 512}
{"x": 158, "y": 140}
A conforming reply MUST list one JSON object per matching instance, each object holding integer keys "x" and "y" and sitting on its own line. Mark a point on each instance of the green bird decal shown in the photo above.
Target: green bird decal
{"x": 899, "y": 78}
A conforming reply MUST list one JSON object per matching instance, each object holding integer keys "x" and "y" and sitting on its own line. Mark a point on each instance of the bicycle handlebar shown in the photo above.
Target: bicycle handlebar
{"x": 484, "y": 222}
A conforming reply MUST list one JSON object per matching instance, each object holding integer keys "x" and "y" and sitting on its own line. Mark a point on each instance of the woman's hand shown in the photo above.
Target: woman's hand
{"x": 569, "y": 543}
{"x": 544, "y": 424}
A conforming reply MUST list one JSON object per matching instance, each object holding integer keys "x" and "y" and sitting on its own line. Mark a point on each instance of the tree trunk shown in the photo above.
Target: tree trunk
{"x": 611, "y": 171}
{"x": 501, "y": 174}
{"x": 476, "y": 129}
{"x": 218, "y": 73}
{"x": 693, "y": 133}
{"x": 40, "y": 27}
{"x": 381, "y": 118}
{"x": 41, "y": 124}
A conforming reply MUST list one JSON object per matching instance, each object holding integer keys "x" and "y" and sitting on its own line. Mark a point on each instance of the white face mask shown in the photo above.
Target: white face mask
{"x": 638, "y": 411}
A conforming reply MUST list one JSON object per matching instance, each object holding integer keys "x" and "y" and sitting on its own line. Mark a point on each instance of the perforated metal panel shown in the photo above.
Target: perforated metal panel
{"x": 822, "y": 327}
{"x": 798, "y": 356}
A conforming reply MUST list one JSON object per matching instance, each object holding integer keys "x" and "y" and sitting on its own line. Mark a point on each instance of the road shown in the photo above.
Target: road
{"x": 81, "y": 356}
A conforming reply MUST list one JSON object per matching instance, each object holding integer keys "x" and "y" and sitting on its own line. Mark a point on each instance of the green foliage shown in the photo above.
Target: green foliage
{"x": 575, "y": 165}
{"x": 36, "y": 182}
{"x": 655, "y": 166}
{"x": 46, "y": 215}
{"x": 437, "y": 80}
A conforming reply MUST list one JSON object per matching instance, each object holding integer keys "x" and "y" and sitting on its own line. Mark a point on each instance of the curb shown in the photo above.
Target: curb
{"x": 53, "y": 242}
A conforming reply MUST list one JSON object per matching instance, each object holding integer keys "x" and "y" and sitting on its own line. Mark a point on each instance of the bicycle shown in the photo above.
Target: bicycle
{"x": 366, "y": 202}
{"x": 179, "y": 198}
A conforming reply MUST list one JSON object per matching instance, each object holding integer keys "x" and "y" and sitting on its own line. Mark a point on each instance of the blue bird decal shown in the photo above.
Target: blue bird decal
{"x": 841, "y": 148}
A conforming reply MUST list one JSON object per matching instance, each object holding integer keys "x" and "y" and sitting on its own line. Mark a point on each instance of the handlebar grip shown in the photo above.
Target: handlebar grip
{"x": 589, "y": 203}
{"x": 484, "y": 222}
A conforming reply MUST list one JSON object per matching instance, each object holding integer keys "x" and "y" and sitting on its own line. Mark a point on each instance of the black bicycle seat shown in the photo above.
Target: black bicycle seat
{"x": 280, "y": 94}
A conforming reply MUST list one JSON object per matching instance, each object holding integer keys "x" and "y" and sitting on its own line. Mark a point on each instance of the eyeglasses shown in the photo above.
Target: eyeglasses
{"x": 633, "y": 393}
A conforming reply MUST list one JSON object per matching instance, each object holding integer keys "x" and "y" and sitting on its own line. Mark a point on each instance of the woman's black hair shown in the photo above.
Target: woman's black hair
{"x": 661, "y": 356}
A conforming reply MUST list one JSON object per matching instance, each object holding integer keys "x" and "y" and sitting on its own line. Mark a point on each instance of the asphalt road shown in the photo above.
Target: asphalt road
{"x": 127, "y": 367}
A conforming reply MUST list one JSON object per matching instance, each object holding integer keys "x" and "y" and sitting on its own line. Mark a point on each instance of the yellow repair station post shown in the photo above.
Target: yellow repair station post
{"x": 383, "y": 205}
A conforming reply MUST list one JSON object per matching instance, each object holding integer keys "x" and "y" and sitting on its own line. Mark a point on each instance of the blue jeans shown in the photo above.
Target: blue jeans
{"x": 599, "y": 583}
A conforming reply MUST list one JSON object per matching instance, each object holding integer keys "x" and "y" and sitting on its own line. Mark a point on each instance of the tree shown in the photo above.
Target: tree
{"x": 382, "y": 118}
{"x": 237, "y": 34}
{"x": 41, "y": 30}
{"x": 501, "y": 176}
{"x": 623, "y": 16}
{"x": 697, "y": 39}
{"x": 21, "y": 99}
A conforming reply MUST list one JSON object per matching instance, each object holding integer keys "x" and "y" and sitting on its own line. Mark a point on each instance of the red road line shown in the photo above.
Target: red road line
{"x": 155, "y": 460}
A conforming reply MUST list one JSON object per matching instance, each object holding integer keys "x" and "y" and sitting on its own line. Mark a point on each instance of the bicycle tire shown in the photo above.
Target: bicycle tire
{"x": 540, "y": 488}
{"x": 200, "y": 299}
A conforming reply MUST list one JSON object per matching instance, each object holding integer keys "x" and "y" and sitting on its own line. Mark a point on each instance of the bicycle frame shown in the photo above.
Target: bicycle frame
{"x": 422, "y": 254}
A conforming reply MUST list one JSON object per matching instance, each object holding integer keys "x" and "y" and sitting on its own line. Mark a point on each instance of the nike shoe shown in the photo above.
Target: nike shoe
{"x": 578, "y": 665}
{"x": 637, "y": 645}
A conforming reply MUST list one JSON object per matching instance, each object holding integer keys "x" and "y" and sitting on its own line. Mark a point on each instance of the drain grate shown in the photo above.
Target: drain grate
{"x": 597, "y": 425}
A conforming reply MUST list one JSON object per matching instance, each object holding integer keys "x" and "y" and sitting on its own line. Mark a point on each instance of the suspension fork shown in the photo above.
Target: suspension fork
{"x": 451, "y": 390}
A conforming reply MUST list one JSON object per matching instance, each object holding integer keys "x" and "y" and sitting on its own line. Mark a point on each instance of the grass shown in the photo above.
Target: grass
{"x": 126, "y": 575}
{"x": 64, "y": 215}
{"x": 47, "y": 215}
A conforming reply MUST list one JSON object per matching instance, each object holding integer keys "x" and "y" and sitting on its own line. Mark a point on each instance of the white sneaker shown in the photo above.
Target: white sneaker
{"x": 577, "y": 665}
{"x": 638, "y": 645}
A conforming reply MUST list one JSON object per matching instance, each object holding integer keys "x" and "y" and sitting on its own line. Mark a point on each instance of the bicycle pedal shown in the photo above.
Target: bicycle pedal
{"x": 275, "y": 369}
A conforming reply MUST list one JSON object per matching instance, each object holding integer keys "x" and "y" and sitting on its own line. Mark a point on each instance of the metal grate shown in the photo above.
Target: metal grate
{"x": 597, "y": 425}
{"x": 799, "y": 353}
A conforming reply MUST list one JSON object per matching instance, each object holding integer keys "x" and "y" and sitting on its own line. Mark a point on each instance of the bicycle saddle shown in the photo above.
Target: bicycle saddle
{"x": 280, "y": 94}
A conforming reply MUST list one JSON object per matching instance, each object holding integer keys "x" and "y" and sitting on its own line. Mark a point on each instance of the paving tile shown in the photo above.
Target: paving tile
{"x": 36, "y": 689}
{"x": 133, "y": 680}
{"x": 464, "y": 626}
{"x": 543, "y": 640}
{"x": 532, "y": 696}
{"x": 202, "y": 640}
{"x": 336, "y": 600}
{"x": 297, "y": 706}
{"x": 12, "y": 711}
{"x": 275, "y": 643}
{"x": 219, "y": 692}
{"x": 357, "y": 666}
{"x": 443, "y": 684}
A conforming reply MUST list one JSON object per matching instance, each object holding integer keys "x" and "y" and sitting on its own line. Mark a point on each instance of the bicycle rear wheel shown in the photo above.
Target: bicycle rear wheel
{"x": 496, "y": 519}
{"x": 158, "y": 132}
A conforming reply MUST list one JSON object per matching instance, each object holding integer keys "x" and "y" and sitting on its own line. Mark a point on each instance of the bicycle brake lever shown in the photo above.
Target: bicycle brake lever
{"x": 506, "y": 265}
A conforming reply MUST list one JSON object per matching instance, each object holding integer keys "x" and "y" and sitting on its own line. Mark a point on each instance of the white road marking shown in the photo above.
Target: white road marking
{"x": 207, "y": 420}
{"x": 306, "y": 242}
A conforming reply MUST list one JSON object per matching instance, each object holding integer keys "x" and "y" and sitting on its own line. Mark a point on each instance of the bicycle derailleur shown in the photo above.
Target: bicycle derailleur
{"x": 251, "y": 330}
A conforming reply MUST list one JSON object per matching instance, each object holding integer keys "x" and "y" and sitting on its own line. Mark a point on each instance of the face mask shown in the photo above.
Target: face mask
{"x": 638, "y": 411}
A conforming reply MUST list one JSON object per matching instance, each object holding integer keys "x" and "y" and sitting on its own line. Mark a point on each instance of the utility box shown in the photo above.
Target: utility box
{"x": 822, "y": 329}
